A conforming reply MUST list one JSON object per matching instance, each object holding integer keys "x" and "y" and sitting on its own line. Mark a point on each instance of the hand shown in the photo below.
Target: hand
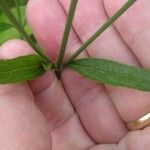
{"x": 77, "y": 113}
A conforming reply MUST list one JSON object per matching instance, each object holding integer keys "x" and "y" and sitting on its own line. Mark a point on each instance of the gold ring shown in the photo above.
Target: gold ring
{"x": 140, "y": 123}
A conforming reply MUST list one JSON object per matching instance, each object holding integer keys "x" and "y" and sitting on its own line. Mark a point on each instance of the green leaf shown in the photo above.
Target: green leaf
{"x": 4, "y": 26}
{"x": 111, "y": 72}
{"x": 21, "y": 69}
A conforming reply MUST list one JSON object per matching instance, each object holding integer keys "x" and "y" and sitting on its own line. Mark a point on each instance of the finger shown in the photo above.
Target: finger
{"x": 52, "y": 30}
{"x": 48, "y": 28}
{"x": 136, "y": 140}
{"x": 47, "y": 89}
{"x": 95, "y": 109}
{"x": 89, "y": 19}
{"x": 51, "y": 98}
{"x": 21, "y": 121}
{"x": 132, "y": 28}
{"x": 92, "y": 127}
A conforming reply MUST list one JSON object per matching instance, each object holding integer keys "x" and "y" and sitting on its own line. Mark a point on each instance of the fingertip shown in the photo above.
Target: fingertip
{"x": 9, "y": 50}
{"x": 14, "y": 48}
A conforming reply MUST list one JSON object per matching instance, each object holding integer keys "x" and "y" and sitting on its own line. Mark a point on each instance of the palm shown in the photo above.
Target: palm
{"x": 77, "y": 113}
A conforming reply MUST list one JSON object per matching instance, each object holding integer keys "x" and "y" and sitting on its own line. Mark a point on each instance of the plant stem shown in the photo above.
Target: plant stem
{"x": 18, "y": 26}
{"x": 18, "y": 10}
{"x": 18, "y": 13}
{"x": 24, "y": 23}
{"x": 66, "y": 34}
{"x": 107, "y": 24}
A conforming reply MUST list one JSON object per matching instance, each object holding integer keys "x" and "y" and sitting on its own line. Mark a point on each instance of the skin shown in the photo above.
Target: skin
{"x": 77, "y": 114}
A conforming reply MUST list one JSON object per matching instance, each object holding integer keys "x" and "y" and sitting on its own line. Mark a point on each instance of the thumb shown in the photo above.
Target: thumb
{"x": 22, "y": 125}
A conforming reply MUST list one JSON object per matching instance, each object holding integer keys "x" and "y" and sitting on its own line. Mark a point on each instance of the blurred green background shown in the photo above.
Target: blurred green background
{"x": 11, "y": 32}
